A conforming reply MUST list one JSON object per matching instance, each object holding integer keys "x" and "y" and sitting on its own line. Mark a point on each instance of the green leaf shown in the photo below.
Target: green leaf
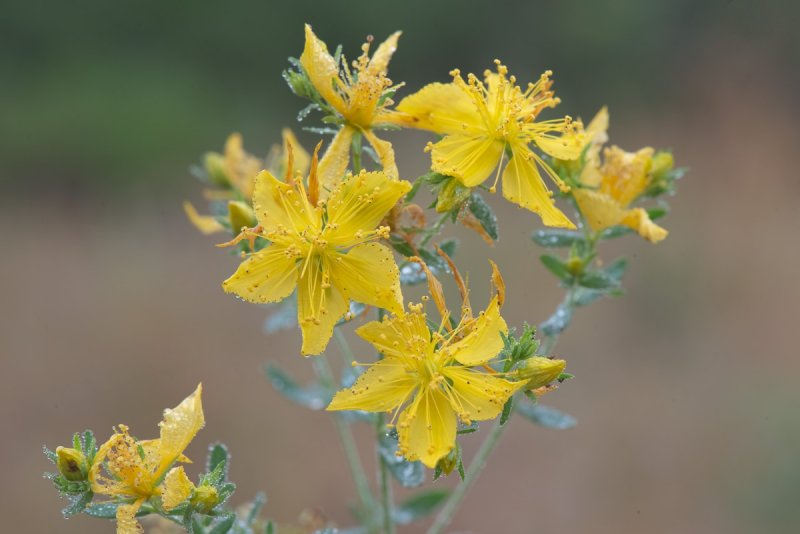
{"x": 597, "y": 280}
{"x": 225, "y": 491}
{"x": 408, "y": 474}
{"x": 448, "y": 246}
{"x": 223, "y": 524}
{"x": 103, "y": 510}
{"x": 546, "y": 416}
{"x": 615, "y": 232}
{"x": 78, "y": 503}
{"x": 313, "y": 396}
{"x": 483, "y": 212}
{"x": 473, "y": 427}
{"x": 507, "y": 407}
{"x": 284, "y": 316}
{"x": 89, "y": 445}
{"x": 258, "y": 503}
{"x": 418, "y": 506}
{"x": 557, "y": 322}
{"x": 218, "y": 458}
{"x": 555, "y": 266}
{"x": 53, "y": 457}
{"x": 556, "y": 238}
{"x": 414, "y": 189}
{"x": 401, "y": 246}
{"x": 269, "y": 528}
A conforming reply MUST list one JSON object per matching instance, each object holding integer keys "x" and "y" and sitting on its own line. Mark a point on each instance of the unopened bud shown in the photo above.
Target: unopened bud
{"x": 540, "y": 371}
{"x": 661, "y": 163}
{"x": 215, "y": 167}
{"x": 205, "y": 498}
{"x": 241, "y": 215}
{"x": 71, "y": 464}
{"x": 575, "y": 265}
{"x": 452, "y": 195}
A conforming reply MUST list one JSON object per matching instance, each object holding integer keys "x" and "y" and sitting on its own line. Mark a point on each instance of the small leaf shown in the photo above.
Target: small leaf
{"x": 313, "y": 396}
{"x": 218, "y": 458}
{"x": 418, "y": 506}
{"x": 78, "y": 504}
{"x": 258, "y": 503}
{"x": 223, "y": 524}
{"x": 53, "y": 457}
{"x": 546, "y": 416}
{"x": 473, "y": 427}
{"x": 408, "y": 474}
{"x": 615, "y": 232}
{"x": 103, "y": 510}
{"x": 556, "y": 238}
{"x": 269, "y": 528}
{"x": 507, "y": 407}
{"x": 449, "y": 246}
{"x": 483, "y": 212}
{"x": 557, "y": 322}
{"x": 555, "y": 266}
{"x": 597, "y": 280}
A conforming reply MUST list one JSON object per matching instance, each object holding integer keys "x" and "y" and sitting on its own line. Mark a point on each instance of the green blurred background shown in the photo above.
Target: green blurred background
{"x": 687, "y": 392}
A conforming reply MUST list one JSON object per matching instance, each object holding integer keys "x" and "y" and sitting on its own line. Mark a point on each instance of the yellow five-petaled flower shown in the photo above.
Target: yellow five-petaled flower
{"x": 325, "y": 249}
{"x": 360, "y": 97}
{"x": 133, "y": 471}
{"x": 608, "y": 188}
{"x": 483, "y": 121}
{"x": 428, "y": 378}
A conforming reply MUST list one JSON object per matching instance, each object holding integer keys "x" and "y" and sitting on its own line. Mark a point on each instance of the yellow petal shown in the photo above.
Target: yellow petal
{"x": 399, "y": 336}
{"x": 523, "y": 185}
{"x": 427, "y": 428}
{"x": 596, "y": 132}
{"x": 626, "y": 174}
{"x": 478, "y": 396}
{"x": 368, "y": 274}
{"x": 383, "y": 386}
{"x": 176, "y": 488}
{"x": 483, "y": 342}
{"x": 179, "y": 427}
{"x": 567, "y": 147}
{"x": 385, "y": 153}
{"x": 359, "y": 203}
{"x": 470, "y": 159}
{"x": 322, "y": 70}
{"x": 600, "y": 210}
{"x": 205, "y": 223}
{"x": 379, "y": 63}
{"x": 126, "y": 518}
{"x": 279, "y": 205}
{"x": 320, "y": 305}
{"x": 637, "y": 219}
{"x": 333, "y": 164}
{"x": 269, "y": 275}
{"x": 441, "y": 108}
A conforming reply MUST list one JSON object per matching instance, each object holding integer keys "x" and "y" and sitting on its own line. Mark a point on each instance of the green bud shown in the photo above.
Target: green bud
{"x": 662, "y": 162}
{"x": 451, "y": 195}
{"x": 204, "y": 498}
{"x": 240, "y": 215}
{"x": 71, "y": 464}
{"x": 447, "y": 464}
{"x": 540, "y": 371}
{"x": 575, "y": 265}
{"x": 215, "y": 167}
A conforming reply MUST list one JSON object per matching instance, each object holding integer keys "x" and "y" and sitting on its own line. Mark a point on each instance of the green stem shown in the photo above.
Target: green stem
{"x": 384, "y": 481}
{"x": 325, "y": 374}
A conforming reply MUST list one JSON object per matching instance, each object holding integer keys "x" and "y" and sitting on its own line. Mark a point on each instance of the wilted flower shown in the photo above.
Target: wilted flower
{"x": 131, "y": 470}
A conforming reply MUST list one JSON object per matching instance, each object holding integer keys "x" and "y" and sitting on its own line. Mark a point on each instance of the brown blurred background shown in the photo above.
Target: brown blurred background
{"x": 686, "y": 393}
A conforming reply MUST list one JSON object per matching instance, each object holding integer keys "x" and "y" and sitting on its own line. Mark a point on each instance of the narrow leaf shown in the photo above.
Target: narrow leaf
{"x": 546, "y": 416}
{"x": 555, "y": 266}
{"x": 556, "y": 238}
{"x": 313, "y": 396}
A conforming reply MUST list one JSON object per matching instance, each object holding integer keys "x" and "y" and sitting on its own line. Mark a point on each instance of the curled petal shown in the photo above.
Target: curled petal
{"x": 126, "y": 518}
{"x": 322, "y": 70}
{"x": 523, "y": 185}
{"x": 333, "y": 164}
{"x": 179, "y": 427}
{"x": 602, "y": 211}
{"x": 176, "y": 488}
{"x": 205, "y": 223}
{"x": 385, "y": 153}
{"x": 483, "y": 342}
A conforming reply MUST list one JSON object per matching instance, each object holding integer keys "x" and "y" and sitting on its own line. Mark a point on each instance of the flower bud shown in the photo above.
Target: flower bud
{"x": 71, "y": 464}
{"x": 241, "y": 215}
{"x": 205, "y": 498}
{"x": 215, "y": 167}
{"x": 540, "y": 371}
{"x": 575, "y": 265}
{"x": 452, "y": 195}
{"x": 662, "y": 162}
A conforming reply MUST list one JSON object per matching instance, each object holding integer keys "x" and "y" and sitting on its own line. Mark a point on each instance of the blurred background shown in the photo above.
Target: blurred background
{"x": 686, "y": 393}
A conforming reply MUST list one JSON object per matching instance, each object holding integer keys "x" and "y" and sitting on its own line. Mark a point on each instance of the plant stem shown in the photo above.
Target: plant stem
{"x": 434, "y": 229}
{"x": 325, "y": 374}
{"x": 384, "y": 481}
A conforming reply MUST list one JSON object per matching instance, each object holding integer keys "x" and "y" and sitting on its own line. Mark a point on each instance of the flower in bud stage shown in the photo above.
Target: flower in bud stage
{"x": 204, "y": 498}
{"x": 539, "y": 371}
{"x": 71, "y": 464}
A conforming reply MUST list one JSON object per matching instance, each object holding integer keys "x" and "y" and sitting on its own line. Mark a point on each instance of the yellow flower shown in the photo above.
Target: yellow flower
{"x": 325, "y": 249}
{"x": 483, "y": 121}
{"x": 428, "y": 378}
{"x": 360, "y": 97}
{"x": 236, "y": 170}
{"x": 133, "y": 471}
{"x": 608, "y": 188}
